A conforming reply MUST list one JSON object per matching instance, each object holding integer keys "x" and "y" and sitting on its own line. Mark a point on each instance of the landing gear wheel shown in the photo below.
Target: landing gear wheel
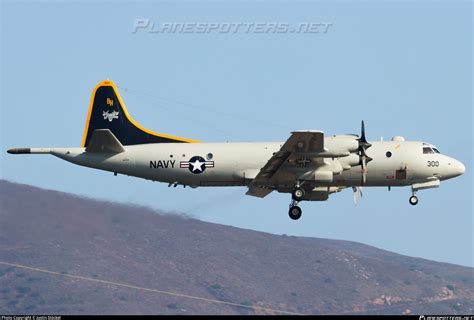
{"x": 295, "y": 212}
{"x": 413, "y": 200}
{"x": 298, "y": 194}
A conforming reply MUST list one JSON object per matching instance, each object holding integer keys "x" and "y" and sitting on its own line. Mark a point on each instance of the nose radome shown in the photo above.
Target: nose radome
{"x": 461, "y": 168}
{"x": 455, "y": 168}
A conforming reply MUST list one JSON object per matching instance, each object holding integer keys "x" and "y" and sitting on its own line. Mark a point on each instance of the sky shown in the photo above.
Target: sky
{"x": 403, "y": 67}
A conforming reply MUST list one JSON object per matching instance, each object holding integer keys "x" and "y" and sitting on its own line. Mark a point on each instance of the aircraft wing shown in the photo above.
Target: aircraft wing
{"x": 304, "y": 142}
{"x": 257, "y": 191}
{"x": 300, "y": 144}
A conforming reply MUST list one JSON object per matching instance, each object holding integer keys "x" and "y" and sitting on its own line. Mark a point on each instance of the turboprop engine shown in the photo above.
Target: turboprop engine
{"x": 341, "y": 145}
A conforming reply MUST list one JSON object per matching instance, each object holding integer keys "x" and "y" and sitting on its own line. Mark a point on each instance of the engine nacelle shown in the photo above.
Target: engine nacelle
{"x": 323, "y": 176}
{"x": 320, "y": 193}
{"x": 342, "y": 145}
{"x": 350, "y": 161}
{"x": 327, "y": 189}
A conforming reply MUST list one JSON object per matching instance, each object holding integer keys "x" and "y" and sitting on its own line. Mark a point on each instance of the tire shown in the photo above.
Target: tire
{"x": 295, "y": 212}
{"x": 413, "y": 200}
{"x": 298, "y": 194}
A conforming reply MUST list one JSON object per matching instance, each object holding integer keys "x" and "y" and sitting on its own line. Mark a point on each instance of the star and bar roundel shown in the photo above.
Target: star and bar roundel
{"x": 196, "y": 164}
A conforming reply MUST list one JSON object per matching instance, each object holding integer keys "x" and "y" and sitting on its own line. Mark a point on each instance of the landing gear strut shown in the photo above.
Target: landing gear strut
{"x": 413, "y": 200}
{"x": 296, "y": 196}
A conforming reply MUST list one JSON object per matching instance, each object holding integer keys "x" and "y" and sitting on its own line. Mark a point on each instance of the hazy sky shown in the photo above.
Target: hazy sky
{"x": 405, "y": 68}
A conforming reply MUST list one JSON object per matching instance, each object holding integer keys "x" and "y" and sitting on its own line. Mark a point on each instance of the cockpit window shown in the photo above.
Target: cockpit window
{"x": 427, "y": 150}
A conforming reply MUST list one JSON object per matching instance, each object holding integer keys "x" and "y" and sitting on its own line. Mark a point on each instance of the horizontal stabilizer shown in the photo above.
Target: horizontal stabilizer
{"x": 104, "y": 141}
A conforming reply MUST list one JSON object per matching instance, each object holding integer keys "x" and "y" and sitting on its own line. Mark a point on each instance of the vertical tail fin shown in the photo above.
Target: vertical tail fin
{"x": 107, "y": 111}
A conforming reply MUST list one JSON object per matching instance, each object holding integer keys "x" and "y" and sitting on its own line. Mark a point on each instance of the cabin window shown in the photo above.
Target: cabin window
{"x": 210, "y": 156}
{"x": 388, "y": 154}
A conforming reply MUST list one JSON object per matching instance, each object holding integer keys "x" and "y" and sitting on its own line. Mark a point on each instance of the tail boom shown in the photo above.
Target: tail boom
{"x": 29, "y": 151}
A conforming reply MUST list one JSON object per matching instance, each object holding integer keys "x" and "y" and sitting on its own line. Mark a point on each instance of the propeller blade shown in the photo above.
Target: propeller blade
{"x": 362, "y": 130}
{"x": 363, "y": 158}
{"x": 356, "y": 195}
{"x": 363, "y": 140}
{"x": 363, "y": 176}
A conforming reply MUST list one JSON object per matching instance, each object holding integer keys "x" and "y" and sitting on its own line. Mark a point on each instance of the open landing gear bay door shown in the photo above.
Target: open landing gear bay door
{"x": 296, "y": 151}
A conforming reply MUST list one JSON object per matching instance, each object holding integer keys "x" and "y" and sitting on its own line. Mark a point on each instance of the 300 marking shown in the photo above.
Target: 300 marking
{"x": 433, "y": 163}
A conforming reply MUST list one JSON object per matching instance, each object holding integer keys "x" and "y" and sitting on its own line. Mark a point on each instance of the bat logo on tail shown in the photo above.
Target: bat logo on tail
{"x": 110, "y": 115}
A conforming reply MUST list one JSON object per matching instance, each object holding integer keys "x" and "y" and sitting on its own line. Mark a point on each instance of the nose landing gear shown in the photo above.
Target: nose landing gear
{"x": 413, "y": 200}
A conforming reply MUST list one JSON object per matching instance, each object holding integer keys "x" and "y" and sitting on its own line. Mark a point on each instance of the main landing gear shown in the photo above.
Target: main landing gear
{"x": 295, "y": 211}
{"x": 297, "y": 195}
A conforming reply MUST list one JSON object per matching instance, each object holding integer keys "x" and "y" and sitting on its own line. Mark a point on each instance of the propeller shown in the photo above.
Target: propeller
{"x": 363, "y": 158}
{"x": 356, "y": 195}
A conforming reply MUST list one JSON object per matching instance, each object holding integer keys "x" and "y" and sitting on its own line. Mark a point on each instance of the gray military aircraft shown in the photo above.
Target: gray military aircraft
{"x": 309, "y": 165}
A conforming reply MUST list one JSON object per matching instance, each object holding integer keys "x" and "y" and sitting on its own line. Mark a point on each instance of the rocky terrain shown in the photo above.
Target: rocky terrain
{"x": 95, "y": 257}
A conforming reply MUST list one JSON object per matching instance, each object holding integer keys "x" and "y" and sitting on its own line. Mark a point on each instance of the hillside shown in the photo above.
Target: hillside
{"x": 74, "y": 236}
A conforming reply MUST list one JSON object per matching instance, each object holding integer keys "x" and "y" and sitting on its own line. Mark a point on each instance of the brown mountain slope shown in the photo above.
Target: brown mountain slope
{"x": 139, "y": 247}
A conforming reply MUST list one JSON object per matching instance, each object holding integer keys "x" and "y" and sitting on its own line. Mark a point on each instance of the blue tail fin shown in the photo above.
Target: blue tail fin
{"x": 107, "y": 111}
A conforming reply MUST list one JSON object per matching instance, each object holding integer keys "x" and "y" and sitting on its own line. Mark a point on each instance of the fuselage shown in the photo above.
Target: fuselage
{"x": 309, "y": 164}
{"x": 395, "y": 163}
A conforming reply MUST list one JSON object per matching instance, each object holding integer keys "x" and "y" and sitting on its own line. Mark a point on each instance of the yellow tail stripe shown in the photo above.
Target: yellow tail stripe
{"x": 110, "y": 83}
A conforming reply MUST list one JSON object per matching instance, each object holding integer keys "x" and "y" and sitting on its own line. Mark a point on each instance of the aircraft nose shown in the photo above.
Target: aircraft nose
{"x": 457, "y": 168}
{"x": 461, "y": 168}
